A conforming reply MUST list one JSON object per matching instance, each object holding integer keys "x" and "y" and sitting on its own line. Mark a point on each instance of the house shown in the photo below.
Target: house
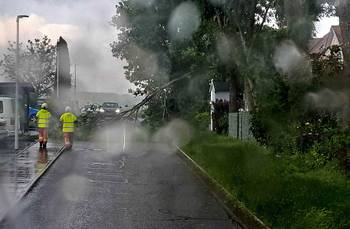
{"x": 219, "y": 97}
{"x": 322, "y": 45}
{"x": 222, "y": 91}
{"x": 238, "y": 123}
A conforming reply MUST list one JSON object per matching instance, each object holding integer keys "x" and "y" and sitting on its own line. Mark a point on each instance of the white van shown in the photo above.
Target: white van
{"x": 7, "y": 114}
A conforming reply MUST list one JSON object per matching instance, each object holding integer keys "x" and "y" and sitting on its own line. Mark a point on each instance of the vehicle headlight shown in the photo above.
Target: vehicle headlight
{"x": 101, "y": 110}
{"x": 117, "y": 110}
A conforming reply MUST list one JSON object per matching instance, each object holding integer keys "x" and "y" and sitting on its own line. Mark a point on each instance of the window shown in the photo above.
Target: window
{"x": 1, "y": 107}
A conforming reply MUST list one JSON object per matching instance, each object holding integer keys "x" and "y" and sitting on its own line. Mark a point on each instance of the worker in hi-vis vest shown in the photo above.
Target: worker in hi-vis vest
{"x": 43, "y": 117}
{"x": 68, "y": 120}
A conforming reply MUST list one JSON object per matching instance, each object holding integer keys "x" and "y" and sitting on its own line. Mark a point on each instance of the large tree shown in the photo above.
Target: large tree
{"x": 231, "y": 42}
{"x": 155, "y": 55}
{"x": 37, "y": 61}
{"x": 343, "y": 11}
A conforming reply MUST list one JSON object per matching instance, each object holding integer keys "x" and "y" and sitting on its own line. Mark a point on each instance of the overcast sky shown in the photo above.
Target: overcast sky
{"x": 85, "y": 26}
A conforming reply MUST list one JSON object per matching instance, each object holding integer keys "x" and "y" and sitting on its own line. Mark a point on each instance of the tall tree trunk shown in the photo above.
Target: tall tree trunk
{"x": 344, "y": 20}
{"x": 234, "y": 89}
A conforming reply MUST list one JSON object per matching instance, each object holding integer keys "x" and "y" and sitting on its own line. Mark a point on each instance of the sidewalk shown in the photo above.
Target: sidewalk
{"x": 19, "y": 171}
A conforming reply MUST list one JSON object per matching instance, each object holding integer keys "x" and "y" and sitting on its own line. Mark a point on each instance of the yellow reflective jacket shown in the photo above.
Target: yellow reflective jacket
{"x": 68, "y": 120}
{"x": 43, "y": 117}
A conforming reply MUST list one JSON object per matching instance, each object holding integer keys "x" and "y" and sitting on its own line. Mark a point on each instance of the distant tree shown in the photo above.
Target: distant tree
{"x": 37, "y": 64}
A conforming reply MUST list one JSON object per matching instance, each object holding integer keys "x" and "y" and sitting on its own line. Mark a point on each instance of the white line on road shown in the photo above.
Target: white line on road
{"x": 124, "y": 142}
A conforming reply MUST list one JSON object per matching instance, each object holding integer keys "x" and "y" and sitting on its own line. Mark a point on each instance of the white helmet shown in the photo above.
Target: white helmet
{"x": 68, "y": 109}
{"x": 44, "y": 106}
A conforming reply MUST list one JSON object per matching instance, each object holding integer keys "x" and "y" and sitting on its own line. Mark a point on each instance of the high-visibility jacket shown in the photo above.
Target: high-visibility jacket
{"x": 68, "y": 119}
{"x": 43, "y": 117}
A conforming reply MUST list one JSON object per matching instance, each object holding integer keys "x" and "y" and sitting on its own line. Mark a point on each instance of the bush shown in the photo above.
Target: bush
{"x": 315, "y": 219}
{"x": 55, "y": 132}
{"x": 87, "y": 123}
{"x": 202, "y": 120}
{"x": 283, "y": 191}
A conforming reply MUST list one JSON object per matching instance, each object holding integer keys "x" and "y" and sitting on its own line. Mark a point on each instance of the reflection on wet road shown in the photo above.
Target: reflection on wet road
{"x": 147, "y": 186}
{"x": 18, "y": 170}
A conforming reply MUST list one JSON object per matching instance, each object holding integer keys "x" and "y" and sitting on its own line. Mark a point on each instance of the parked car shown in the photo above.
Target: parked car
{"x": 32, "y": 112}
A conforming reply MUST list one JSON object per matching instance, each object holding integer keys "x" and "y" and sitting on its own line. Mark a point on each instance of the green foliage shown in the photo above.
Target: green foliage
{"x": 154, "y": 115}
{"x": 288, "y": 123}
{"x": 283, "y": 191}
{"x": 335, "y": 146}
{"x": 87, "y": 123}
{"x": 316, "y": 219}
{"x": 230, "y": 44}
{"x": 55, "y": 130}
{"x": 202, "y": 120}
{"x": 154, "y": 59}
{"x": 37, "y": 64}
{"x": 327, "y": 66}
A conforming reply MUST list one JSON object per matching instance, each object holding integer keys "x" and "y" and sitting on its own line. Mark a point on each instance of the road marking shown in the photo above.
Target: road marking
{"x": 109, "y": 182}
{"x": 112, "y": 193}
{"x": 103, "y": 164}
{"x": 124, "y": 142}
{"x": 105, "y": 173}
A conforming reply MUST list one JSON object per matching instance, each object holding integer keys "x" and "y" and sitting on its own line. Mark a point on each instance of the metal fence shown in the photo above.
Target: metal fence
{"x": 239, "y": 125}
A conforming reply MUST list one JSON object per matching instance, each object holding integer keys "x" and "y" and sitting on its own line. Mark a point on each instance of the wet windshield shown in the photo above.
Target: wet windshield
{"x": 198, "y": 114}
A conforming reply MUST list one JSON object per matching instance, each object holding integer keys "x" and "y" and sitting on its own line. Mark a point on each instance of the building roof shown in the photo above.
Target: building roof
{"x": 9, "y": 87}
{"x": 319, "y": 45}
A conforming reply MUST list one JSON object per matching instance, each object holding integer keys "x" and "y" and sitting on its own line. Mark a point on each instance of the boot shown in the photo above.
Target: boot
{"x": 44, "y": 145}
{"x": 41, "y": 145}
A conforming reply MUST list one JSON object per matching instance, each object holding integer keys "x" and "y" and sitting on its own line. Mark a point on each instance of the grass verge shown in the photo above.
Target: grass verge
{"x": 280, "y": 191}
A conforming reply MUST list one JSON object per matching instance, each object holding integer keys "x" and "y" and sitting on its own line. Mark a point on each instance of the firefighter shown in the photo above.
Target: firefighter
{"x": 43, "y": 117}
{"x": 68, "y": 120}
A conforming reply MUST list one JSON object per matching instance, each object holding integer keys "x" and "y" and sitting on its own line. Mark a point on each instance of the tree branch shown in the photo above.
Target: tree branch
{"x": 149, "y": 97}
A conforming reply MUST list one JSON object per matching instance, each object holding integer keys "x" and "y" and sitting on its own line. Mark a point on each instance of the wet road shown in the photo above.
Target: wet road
{"x": 145, "y": 187}
{"x": 19, "y": 169}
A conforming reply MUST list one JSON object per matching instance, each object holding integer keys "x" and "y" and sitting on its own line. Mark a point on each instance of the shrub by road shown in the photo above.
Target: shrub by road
{"x": 285, "y": 192}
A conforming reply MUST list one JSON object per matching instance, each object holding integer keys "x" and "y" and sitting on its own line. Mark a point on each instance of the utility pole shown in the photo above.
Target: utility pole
{"x": 57, "y": 72}
{"x": 75, "y": 81}
{"x": 17, "y": 87}
{"x": 212, "y": 101}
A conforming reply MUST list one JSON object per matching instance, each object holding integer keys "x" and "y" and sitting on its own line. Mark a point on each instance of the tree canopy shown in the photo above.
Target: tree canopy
{"x": 37, "y": 64}
{"x": 240, "y": 42}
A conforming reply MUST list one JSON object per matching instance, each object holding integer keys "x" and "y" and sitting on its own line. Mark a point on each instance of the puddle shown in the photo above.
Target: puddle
{"x": 17, "y": 171}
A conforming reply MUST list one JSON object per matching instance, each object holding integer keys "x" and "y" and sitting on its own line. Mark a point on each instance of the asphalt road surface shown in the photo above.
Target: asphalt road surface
{"x": 146, "y": 187}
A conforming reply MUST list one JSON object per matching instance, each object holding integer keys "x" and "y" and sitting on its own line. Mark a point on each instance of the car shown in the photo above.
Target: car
{"x": 90, "y": 108}
{"x": 32, "y": 112}
{"x": 110, "y": 108}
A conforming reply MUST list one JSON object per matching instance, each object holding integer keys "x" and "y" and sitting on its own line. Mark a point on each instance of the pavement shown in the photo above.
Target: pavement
{"x": 18, "y": 170}
{"x": 93, "y": 186}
